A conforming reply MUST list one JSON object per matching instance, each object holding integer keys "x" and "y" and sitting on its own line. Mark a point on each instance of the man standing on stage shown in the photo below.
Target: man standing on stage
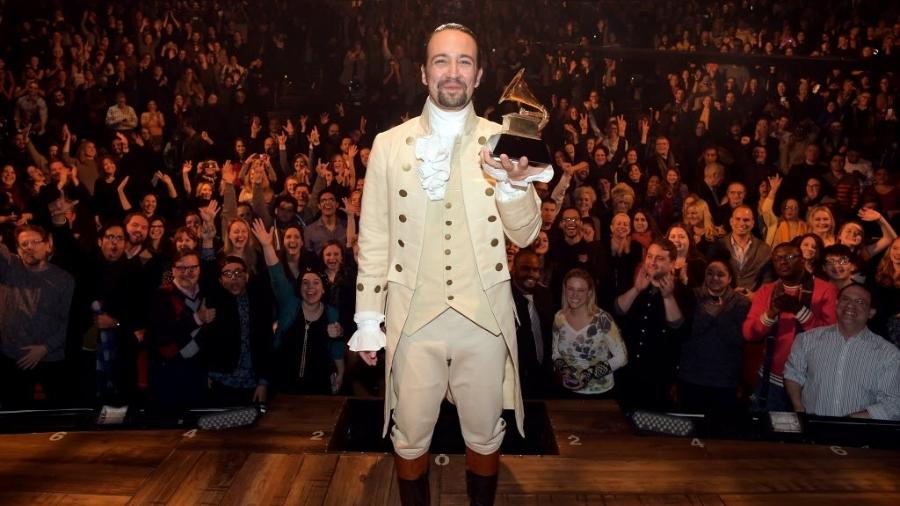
{"x": 445, "y": 297}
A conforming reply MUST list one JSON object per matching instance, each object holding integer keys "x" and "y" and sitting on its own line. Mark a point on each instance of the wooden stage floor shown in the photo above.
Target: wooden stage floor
{"x": 283, "y": 460}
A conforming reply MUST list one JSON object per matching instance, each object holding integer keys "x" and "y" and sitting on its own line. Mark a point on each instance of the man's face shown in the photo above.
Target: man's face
{"x": 548, "y": 212}
{"x": 759, "y": 155}
{"x": 571, "y": 223}
{"x": 56, "y": 171}
{"x": 112, "y": 244}
{"x": 136, "y": 230}
{"x": 32, "y": 249}
{"x": 839, "y": 268}
{"x": 527, "y": 272}
{"x": 742, "y": 222}
{"x": 854, "y": 308}
{"x": 451, "y": 69}
{"x": 301, "y": 193}
{"x": 233, "y": 277}
{"x": 327, "y": 204}
{"x": 187, "y": 272}
{"x": 788, "y": 262}
{"x": 657, "y": 263}
{"x": 812, "y": 154}
{"x": 736, "y": 193}
{"x": 662, "y": 147}
{"x": 285, "y": 212}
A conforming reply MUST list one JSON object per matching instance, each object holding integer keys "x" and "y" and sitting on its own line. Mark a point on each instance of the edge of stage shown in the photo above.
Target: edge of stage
{"x": 290, "y": 457}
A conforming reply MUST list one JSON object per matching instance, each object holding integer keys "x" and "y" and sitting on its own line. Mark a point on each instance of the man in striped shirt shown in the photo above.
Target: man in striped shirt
{"x": 845, "y": 369}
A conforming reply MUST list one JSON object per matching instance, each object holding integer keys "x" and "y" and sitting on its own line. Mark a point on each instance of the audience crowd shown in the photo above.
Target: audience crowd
{"x": 181, "y": 184}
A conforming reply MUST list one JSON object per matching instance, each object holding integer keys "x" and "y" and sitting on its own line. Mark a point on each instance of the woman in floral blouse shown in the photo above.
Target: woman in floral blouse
{"x": 587, "y": 346}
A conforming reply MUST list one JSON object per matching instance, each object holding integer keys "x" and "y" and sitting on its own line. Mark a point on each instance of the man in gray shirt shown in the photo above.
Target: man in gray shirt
{"x": 34, "y": 312}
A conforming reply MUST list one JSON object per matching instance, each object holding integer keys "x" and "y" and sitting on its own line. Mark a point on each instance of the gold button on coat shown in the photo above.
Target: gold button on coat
{"x": 360, "y": 287}
{"x": 400, "y": 267}
{"x": 492, "y": 218}
{"x": 402, "y": 218}
{"x": 499, "y": 267}
{"x": 494, "y": 242}
{"x": 482, "y": 140}
{"x": 410, "y": 141}
{"x": 489, "y": 192}
{"x": 402, "y": 193}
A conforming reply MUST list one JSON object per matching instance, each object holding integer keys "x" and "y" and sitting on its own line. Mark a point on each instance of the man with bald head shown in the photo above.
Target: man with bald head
{"x": 433, "y": 268}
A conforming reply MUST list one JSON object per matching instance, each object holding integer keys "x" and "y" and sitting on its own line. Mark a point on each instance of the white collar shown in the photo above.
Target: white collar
{"x": 446, "y": 123}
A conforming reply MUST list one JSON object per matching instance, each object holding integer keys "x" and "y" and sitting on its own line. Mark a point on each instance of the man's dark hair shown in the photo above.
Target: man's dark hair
{"x": 461, "y": 28}
{"x": 666, "y": 245}
{"x": 284, "y": 198}
{"x": 838, "y": 250}
{"x": 184, "y": 254}
{"x": 231, "y": 259}
{"x": 858, "y": 285}
{"x": 108, "y": 225}
{"x": 522, "y": 253}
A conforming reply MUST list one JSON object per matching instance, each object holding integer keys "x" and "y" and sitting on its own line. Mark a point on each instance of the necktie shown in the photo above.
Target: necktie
{"x": 535, "y": 329}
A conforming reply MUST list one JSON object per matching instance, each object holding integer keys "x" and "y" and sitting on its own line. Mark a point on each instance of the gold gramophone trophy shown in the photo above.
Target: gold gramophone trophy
{"x": 521, "y": 134}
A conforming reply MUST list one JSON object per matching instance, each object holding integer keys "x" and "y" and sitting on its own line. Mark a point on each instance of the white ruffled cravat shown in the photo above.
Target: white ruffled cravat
{"x": 435, "y": 151}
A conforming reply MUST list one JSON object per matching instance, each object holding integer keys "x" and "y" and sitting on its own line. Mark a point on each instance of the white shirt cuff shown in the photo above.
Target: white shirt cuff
{"x": 368, "y": 335}
{"x": 508, "y": 190}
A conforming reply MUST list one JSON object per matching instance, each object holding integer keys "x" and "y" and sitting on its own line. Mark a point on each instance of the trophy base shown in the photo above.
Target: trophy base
{"x": 515, "y": 147}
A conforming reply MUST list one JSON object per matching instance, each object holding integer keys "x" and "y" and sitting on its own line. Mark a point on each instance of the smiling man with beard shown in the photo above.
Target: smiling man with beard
{"x": 433, "y": 268}
{"x": 34, "y": 312}
{"x": 845, "y": 369}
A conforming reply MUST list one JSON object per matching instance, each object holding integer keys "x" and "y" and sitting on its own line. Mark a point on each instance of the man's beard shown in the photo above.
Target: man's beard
{"x": 450, "y": 102}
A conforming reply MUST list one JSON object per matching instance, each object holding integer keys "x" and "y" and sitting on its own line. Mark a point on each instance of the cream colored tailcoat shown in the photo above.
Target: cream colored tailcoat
{"x": 392, "y": 233}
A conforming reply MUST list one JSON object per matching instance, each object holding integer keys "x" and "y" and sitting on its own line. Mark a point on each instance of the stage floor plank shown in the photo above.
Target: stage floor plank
{"x": 283, "y": 460}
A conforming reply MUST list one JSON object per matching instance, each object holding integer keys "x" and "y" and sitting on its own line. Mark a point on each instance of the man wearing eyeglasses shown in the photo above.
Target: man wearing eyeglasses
{"x": 845, "y": 369}
{"x": 35, "y": 296}
{"x": 178, "y": 379}
{"x": 794, "y": 303}
{"x": 109, "y": 310}
{"x": 328, "y": 227}
{"x": 238, "y": 341}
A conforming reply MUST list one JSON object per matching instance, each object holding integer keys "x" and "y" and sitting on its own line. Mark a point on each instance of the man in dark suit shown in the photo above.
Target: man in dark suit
{"x": 535, "y": 309}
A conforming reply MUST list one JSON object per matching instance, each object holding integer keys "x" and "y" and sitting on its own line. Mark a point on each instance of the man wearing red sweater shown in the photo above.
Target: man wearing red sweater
{"x": 794, "y": 303}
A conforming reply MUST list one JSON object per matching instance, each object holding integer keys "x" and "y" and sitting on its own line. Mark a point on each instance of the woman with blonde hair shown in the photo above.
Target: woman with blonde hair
{"x": 584, "y": 199}
{"x": 257, "y": 171}
{"x": 820, "y": 221}
{"x": 699, "y": 220}
{"x": 587, "y": 345}
{"x": 886, "y": 295}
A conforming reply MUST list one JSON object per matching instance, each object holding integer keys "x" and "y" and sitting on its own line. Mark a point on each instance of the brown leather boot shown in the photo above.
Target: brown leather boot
{"x": 481, "y": 477}
{"x": 412, "y": 480}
